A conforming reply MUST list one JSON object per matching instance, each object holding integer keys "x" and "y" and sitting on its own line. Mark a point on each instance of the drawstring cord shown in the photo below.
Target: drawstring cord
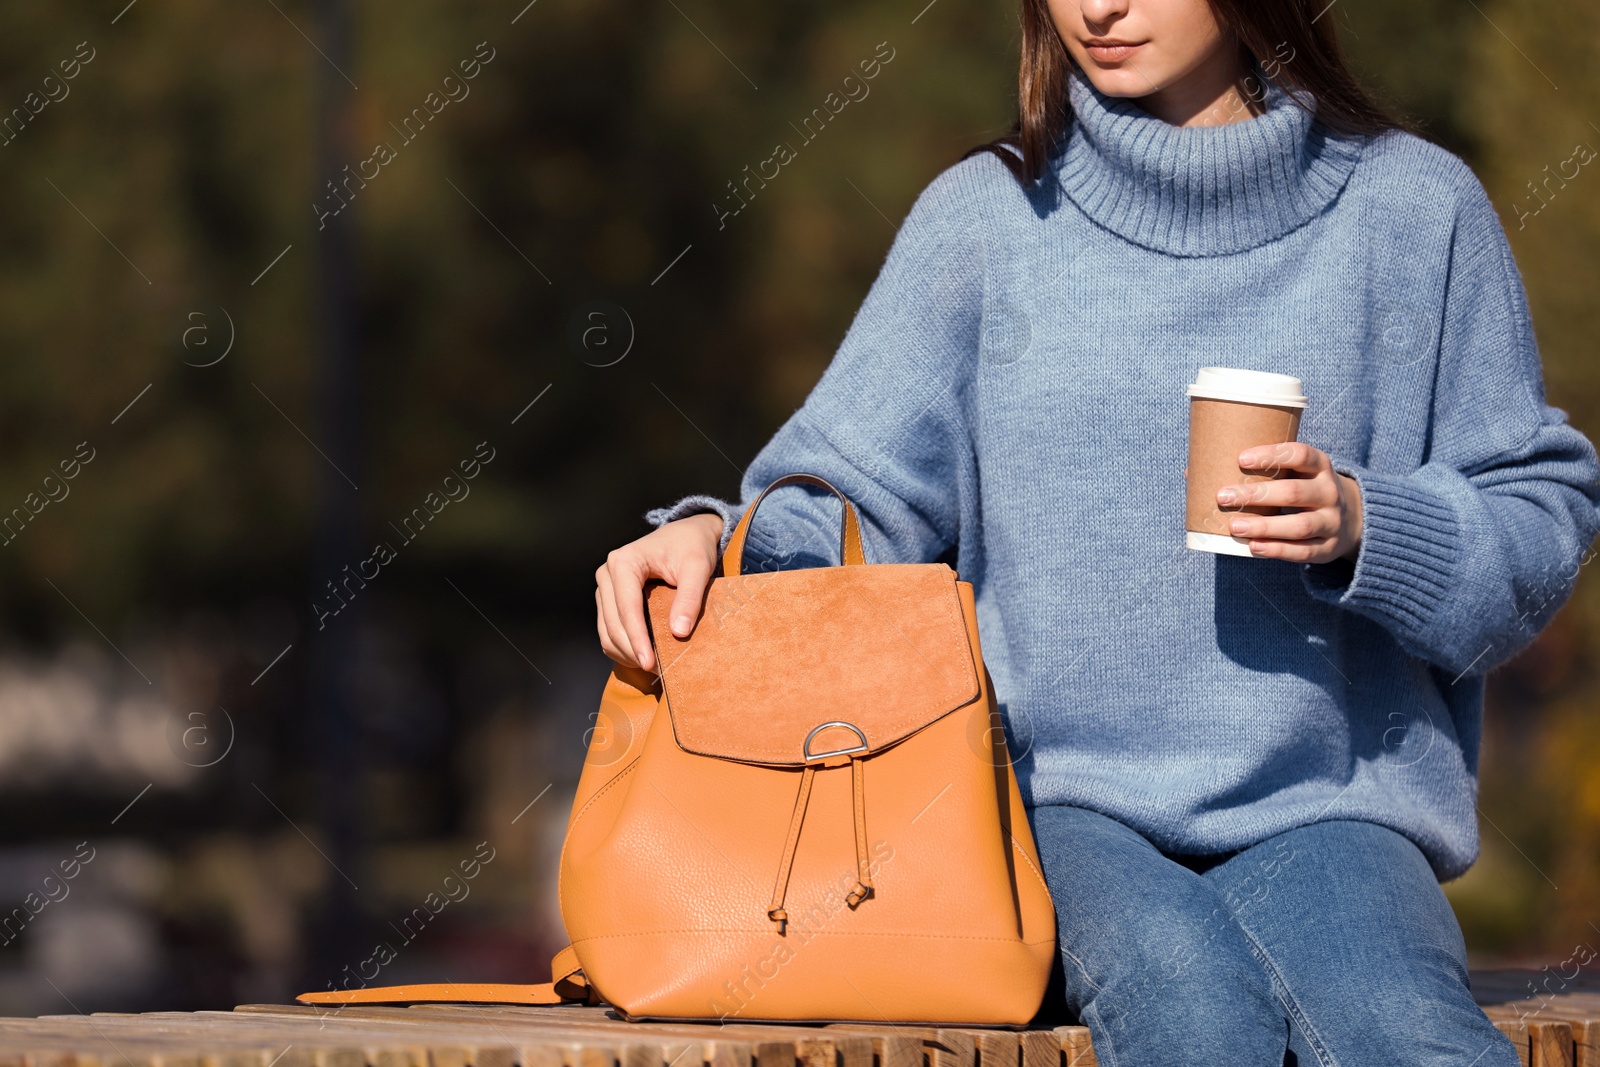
{"x": 863, "y": 885}
{"x": 776, "y": 912}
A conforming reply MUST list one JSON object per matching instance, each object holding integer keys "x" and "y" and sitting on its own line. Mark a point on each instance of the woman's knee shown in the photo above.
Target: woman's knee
{"x": 1167, "y": 967}
{"x": 1153, "y": 960}
{"x": 1415, "y": 1027}
{"x": 1344, "y": 898}
{"x": 1367, "y": 953}
{"x": 1177, "y": 989}
{"x": 1174, "y": 976}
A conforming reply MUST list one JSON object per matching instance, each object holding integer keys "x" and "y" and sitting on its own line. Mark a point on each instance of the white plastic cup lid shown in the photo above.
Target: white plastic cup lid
{"x": 1248, "y": 386}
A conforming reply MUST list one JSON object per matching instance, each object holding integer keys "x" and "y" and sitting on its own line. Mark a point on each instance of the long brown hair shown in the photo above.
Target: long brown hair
{"x": 1296, "y": 48}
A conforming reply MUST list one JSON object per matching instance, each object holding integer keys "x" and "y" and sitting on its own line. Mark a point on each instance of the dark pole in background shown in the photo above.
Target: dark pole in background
{"x": 335, "y": 649}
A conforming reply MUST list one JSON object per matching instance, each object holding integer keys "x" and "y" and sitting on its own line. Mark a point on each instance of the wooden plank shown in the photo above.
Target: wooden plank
{"x": 92, "y": 1038}
{"x": 213, "y": 1057}
{"x": 952, "y": 1048}
{"x": 1585, "y": 1041}
{"x": 725, "y": 1054}
{"x": 818, "y": 1053}
{"x": 567, "y": 1044}
{"x": 63, "y": 1049}
{"x": 458, "y": 1048}
{"x": 774, "y": 1054}
{"x": 1517, "y": 1031}
{"x": 1041, "y": 1048}
{"x": 1549, "y": 1029}
{"x": 889, "y": 1048}
{"x": 835, "y": 1048}
{"x": 380, "y": 1044}
{"x": 67, "y": 1059}
{"x": 467, "y": 1055}
{"x": 396, "y": 1055}
{"x": 175, "y": 1059}
{"x": 997, "y": 1048}
{"x": 1549, "y": 1044}
{"x": 106, "y": 1042}
{"x": 771, "y": 1053}
{"x": 941, "y": 1047}
{"x": 726, "y": 1045}
{"x": 1543, "y": 1042}
{"x": 1583, "y": 1024}
{"x": 1586, "y": 1044}
{"x": 59, "y": 1050}
{"x": 895, "y": 1050}
{"x": 1076, "y": 1047}
{"x": 683, "y": 1044}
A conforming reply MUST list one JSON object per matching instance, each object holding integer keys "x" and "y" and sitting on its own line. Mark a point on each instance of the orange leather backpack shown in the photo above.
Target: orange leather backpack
{"x": 809, "y": 815}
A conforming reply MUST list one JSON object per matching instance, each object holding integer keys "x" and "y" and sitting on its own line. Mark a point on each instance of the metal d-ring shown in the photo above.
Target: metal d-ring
{"x": 809, "y": 755}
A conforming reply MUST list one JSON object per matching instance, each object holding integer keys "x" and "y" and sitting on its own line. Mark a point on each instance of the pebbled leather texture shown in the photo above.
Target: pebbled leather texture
{"x": 678, "y": 831}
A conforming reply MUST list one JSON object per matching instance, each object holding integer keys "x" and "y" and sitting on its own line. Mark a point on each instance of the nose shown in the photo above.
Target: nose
{"x": 1098, "y": 14}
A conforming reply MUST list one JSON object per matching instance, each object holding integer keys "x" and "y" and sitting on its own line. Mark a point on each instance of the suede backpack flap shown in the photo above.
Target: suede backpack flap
{"x": 776, "y": 657}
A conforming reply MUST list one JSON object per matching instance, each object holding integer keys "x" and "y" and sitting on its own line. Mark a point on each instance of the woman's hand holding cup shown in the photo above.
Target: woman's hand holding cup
{"x": 1327, "y": 525}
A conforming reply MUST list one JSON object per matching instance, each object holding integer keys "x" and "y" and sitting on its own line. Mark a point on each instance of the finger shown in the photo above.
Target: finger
{"x": 1313, "y": 550}
{"x": 607, "y": 646}
{"x": 613, "y": 615}
{"x": 627, "y": 597}
{"x": 1299, "y": 526}
{"x": 691, "y": 580}
{"x": 605, "y": 593}
{"x": 1289, "y": 456}
{"x": 1314, "y": 492}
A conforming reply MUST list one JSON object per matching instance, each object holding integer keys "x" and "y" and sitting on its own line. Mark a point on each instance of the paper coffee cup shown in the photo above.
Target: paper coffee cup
{"x": 1229, "y": 411}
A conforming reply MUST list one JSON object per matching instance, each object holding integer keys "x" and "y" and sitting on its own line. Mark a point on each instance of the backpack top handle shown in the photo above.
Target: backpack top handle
{"x": 849, "y": 535}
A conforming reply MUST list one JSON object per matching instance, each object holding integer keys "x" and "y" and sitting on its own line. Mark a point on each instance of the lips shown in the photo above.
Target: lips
{"x": 1110, "y": 49}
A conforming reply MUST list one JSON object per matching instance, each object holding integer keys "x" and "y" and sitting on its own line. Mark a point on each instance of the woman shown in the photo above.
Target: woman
{"x": 1247, "y": 776}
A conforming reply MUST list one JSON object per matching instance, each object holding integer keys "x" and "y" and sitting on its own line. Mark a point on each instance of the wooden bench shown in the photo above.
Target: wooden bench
{"x": 1557, "y": 1026}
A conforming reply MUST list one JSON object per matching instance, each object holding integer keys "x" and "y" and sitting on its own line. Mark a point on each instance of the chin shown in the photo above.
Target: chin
{"x": 1119, "y": 81}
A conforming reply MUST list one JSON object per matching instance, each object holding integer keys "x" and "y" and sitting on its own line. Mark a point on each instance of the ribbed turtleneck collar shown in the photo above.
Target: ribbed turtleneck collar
{"x": 1199, "y": 191}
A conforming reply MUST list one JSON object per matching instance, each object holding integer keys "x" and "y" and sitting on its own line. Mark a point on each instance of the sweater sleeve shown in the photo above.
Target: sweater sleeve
{"x": 1466, "y": 558}
{"x": 885, "y": 424}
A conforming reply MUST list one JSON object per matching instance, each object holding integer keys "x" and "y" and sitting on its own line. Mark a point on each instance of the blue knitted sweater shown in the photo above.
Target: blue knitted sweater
{"x": 1010, "y": 399}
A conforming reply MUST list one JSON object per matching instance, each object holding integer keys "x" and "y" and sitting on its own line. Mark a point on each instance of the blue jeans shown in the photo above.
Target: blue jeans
{"x": 1331, "y": 944}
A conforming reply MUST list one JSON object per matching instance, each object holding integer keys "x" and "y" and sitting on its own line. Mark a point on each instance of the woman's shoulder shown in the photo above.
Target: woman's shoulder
{"x": 980, "y": 185}
{"x": 1418, "y": 177}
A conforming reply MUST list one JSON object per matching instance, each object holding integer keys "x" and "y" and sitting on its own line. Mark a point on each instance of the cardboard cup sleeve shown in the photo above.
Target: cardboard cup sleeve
{"x": 1220, "y": 429}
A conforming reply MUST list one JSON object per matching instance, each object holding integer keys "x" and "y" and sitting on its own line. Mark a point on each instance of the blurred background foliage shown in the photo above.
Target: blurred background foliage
{"x": 171, "y": 590}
